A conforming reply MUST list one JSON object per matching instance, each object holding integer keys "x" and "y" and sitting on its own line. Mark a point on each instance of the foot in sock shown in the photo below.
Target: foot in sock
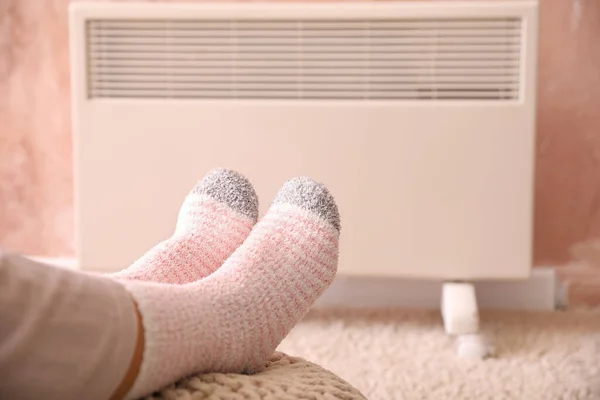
{"x": 234, "y": 319}
{"x": 214, "y": 220}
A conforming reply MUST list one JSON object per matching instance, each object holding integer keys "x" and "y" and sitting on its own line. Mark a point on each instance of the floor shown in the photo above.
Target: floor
{"x": 405, "y": 355}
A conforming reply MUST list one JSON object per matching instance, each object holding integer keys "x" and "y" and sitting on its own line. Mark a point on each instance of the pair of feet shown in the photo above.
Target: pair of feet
{"x": 225, "y": 290}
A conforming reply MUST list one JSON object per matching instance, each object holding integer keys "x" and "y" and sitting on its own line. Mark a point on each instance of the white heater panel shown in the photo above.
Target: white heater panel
{"x": 424, "y": 134}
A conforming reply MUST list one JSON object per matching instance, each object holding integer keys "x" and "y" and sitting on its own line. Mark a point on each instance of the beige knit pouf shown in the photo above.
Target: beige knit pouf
{"x": 285, "y": 378}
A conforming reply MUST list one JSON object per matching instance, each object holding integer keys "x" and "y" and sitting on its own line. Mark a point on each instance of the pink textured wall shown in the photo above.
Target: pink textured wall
{"x": 35, "y": 143}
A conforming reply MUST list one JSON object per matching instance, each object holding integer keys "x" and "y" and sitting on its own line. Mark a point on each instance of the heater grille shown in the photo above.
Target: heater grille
{"x": 371, "y": 59}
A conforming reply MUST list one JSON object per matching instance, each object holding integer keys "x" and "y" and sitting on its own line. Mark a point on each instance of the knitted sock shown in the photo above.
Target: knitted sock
{"x": 215, "y": 219}
{"x": 234, "y": 319}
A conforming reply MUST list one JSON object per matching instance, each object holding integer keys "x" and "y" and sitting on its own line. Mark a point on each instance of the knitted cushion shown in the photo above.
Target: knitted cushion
{"x": 285, "y": 378}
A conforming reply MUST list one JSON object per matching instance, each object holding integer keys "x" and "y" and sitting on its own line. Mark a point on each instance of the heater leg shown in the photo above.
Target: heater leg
{"x": 461, "y": 318}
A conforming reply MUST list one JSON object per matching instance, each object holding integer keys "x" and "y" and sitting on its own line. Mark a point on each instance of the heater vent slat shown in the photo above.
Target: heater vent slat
{"x": 371, "y": 59}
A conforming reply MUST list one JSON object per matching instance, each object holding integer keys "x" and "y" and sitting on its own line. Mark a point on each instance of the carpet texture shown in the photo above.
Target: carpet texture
{"x": 405, "y": 355}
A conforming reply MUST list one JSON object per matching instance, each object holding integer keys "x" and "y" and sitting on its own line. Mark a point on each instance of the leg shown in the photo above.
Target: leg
{"x": 461, "y": 318}
{"x": 64, "y": 334}
{"x": 86, "y": 325}
{"x": 233, "y": 320}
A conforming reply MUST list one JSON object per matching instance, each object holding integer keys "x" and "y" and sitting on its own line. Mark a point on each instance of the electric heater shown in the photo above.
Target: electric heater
{"x": 418, "y": 116}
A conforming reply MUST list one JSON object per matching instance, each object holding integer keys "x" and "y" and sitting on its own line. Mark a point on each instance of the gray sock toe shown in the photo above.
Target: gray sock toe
{"x": 231, "y": 188}
{"x": 312, "y": 196}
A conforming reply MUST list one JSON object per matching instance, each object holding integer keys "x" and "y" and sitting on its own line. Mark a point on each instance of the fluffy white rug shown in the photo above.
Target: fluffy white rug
{"x": 405, "y": 355}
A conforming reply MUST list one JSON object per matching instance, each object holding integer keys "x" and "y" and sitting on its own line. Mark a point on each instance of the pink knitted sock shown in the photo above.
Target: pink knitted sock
{"x": 214, "y": 220}
{"x": 234, "y": 319}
